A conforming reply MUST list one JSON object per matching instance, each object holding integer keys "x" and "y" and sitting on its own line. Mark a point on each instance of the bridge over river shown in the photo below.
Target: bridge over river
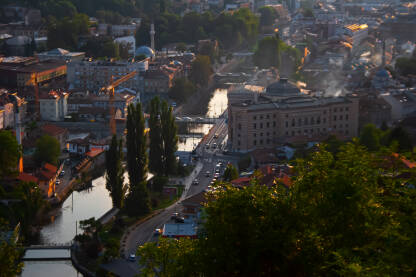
{"x": 197, "y": 120}
{"x": 47, "y": 252}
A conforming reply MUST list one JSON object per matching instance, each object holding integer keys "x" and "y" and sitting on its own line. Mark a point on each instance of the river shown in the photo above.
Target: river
{"x": 216, "y": 106}
{"x": 95, "y": 202}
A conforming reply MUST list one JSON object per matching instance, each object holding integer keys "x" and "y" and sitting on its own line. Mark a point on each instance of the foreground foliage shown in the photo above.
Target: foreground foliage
{"x": 345, "y": 215}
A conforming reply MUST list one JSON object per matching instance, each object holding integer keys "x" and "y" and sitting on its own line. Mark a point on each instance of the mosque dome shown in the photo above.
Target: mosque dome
{"x": 145, "y": 50}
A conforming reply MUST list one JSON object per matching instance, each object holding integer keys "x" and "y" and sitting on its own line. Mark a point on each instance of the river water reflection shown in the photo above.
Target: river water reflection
{"x": 216, "y": 106}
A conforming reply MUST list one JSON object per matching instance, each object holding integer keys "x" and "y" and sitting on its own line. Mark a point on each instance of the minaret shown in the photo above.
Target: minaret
{"x": 152, "y": 36}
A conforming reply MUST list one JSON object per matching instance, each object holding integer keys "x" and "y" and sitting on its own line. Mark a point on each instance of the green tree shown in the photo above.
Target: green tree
{"x": 156, "y": 155}
{"x": 230, "y": 173}
{"x": 181, "y": 90}
{"x": 47, "y": 150}
{"x": 268, "y": 16}
{"x": 267, "y": 53}
{"x": 138, "y": 201}
{"x": 10, "y": 253}
{"x": 370, "y": 137}
{"x": 406, "y": 66}
{"x": 9, "y": 153}
{"x": 341, "y": 217}
{"x": 137, "y": 160}
{"x": 114, "y": 173}
{"x": 402, "y": 137}
{"x": 201, "y": 70}
{"x": 65, "y": 32}
{"x": 170, "y": 138}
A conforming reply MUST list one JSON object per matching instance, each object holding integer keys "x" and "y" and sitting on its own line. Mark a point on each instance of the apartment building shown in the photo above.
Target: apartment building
{"x": 53, "y": 105}
{"x": 284, "y": 115}
{"x": 356, "y": 33}
{"x": 93, "y": 75}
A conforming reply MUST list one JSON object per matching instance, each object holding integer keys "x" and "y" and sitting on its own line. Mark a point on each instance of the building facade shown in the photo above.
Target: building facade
{"x": 283, "y": 115}
{"x": 53, "y": 105}
{"x": 93, "y": 75}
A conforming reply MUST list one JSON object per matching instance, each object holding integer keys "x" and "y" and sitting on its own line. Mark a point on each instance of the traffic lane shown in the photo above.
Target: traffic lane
{"x": 144, "y": 232}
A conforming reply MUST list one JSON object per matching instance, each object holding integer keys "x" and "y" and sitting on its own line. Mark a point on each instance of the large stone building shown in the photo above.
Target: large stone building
{"x": 283, "y": 114}
{"x": 19, "y": 72}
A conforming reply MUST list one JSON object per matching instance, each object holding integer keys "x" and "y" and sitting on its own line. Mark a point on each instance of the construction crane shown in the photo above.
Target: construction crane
{"x": 110, "y": 91}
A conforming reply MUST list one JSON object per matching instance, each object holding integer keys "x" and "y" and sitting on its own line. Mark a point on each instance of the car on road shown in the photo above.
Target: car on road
{"x": 214, "y": 145}
{"x": 215, "y": 136}
{"x": 195, "y": 182}
{"x": 207, "y": 174}
{"x": 180, "y": 219}
{"x": 174, "y": 215}
{"x": 57, "y": 182}
{"x": 62, "y": 173}
{"x": 132, "y": 257}
{"x": 157, "y": 232}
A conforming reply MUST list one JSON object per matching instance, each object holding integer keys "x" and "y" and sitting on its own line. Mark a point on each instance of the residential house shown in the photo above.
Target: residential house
{"x": 57, "y": 132}
{"x": 44, "y": 177}
{"x": 79, "y": 146}
{"x": 53, "y": 105}
{"x": 192, "y": 205}
{"x": 158, "y": 81}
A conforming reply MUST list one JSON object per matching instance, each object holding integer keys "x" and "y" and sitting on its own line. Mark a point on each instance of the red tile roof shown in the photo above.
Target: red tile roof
{"x": 53, "y": 130}
{"x": 242, "y": 181}
{"x": 24, "y": 177}
{"x": 50, "y": 167}
{"x": 94, "y": 152}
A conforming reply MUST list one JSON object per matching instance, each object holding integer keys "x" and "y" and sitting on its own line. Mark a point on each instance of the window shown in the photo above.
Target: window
{"x": 311, "y": 131}
{"x": 335, "y": 126}
{"x": 299, "y": 122}
{"x": 286, "y": 124}
{"x": 335, "y": 109}
{"x": 346, "y": 108}
{"x": 293, "y": 122}
{"x": 293, "y": 133}
{"x": 298, "y": 132}
{"x": 238, "y": 135}
{"x": 267, "y": 116}
{"x": 306, "y": 121}
{"x": 239, "y": 126}
{"x": 261, "y": 141}
{"x": 346, "y": 125}
{"x": 312, "y": 121}
{"x": 274, "y": 123}
{"x": 268, "y": 124}
{"x": 261, "y": 117}
{"x": 267, "y": 141}
{"x": 324, "y": 111}
{"x": 346, "y": 132}
{"x": 254, "y": 117}
{"x": 267, "y": 134}
{"x": 254, "y": 135}
{"x": 274, "y": 115}
{"x": 340, "y": 117}
{"x": 255, "y": 142}
{"x": 318, "y": 120}
{"x": 261, "y": 125}
{"x": 274, "y": 132}
{"x": 341, "y": 109}
{"x": 261, "y": 134}
{"x": 335, "y": 118}
{"x": 287, "y": 115}
{"x": 254, "y": 126}
{"x": 239, "y": 143}
{"x": 324, "y": 120}
{"x": 346, "y": 117}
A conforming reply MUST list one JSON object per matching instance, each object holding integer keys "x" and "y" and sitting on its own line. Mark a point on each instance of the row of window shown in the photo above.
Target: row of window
{"x": 261, "y": 125}
{"x": 267, "y": 116}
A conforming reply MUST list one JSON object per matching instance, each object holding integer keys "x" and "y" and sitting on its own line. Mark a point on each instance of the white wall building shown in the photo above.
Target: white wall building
{"x": 53, "y": 105}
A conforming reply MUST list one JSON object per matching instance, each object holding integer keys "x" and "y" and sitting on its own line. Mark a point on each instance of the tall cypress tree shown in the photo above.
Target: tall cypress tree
{"x": 137, "y": 202}
{"x": 137, "y": 159}
{"x": 156, "y": 156}
{"x": 170, "y": 138}
{"x": 114, "y": 169}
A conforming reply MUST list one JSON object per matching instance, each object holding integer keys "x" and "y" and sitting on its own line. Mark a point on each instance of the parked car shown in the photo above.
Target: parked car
{"x": 157, "y": 232}
{"x": 207, "y": 174}
{"x": 62, "y": 173}
{"x": 57, "y": 182}
{"x": 180, "y": 219}
{"x": 174, "y": 216}
{"x": 195, "y": 182}
{"x": 132, "y": 257}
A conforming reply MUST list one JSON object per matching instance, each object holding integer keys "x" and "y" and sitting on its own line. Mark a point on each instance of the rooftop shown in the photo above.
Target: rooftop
{"x": 355, "y": 27}
{"x": 174, "y": 230}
